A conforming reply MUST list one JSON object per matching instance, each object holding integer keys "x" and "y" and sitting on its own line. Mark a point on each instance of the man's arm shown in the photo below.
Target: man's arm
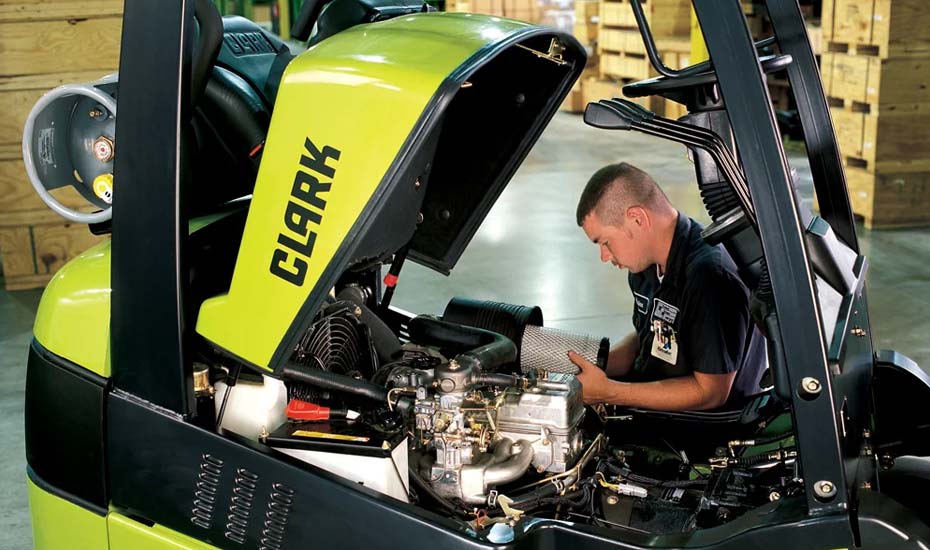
{"x": 694, "y": 392}
{"x": 622, "y": 356}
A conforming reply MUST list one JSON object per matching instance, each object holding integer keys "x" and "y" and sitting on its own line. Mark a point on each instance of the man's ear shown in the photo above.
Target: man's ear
{"x": 638, "y": 217}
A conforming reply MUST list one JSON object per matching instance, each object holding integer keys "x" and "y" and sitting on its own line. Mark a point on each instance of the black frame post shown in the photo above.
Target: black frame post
{"x": 149, "y": 280}
{"x": 743, "y": 87}
{"x": 819, "y": 135}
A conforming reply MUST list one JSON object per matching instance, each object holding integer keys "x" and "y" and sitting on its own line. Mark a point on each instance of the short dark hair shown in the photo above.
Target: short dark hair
{"x": 616, "y": 187}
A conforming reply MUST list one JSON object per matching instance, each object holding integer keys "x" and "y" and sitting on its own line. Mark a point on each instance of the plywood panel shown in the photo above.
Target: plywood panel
{"x": 16, "y": 251}
{"x": 28, "y": 48}
{"x": 43, "y": 10}
{"x": 55, "y": 245}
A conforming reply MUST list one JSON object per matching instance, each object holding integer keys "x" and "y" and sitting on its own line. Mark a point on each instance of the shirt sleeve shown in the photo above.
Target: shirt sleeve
{"x": 716, "y": 322}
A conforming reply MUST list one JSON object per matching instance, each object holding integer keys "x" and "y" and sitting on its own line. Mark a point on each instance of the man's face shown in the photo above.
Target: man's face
{"x": 622, "y": 245}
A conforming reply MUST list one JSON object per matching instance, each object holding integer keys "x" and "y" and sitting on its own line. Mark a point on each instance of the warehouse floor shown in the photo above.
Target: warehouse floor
{"x": 528, "y": 251}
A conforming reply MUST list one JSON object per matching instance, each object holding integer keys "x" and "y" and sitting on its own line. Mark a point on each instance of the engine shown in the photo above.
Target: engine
{"x": 478, "y": 414}
{"x": 484, "y": 437}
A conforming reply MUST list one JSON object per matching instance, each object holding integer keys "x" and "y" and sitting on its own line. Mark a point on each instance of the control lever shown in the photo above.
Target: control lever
{"x": 621, "y": 114}
{"x": 723, "y": 156}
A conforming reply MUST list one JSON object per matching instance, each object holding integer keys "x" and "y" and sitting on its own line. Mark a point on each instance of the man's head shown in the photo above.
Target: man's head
{"x": 620, "y": 210}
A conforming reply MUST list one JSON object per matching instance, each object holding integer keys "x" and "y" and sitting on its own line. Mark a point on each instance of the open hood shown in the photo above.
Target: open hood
{"x": 389, "y": 135}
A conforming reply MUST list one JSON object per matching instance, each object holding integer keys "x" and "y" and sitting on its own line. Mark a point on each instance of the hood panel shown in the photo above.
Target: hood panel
{"x": 359, "y": 119}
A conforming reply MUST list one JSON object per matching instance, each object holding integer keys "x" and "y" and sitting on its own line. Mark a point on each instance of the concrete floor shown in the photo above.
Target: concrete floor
{"x": 529, "y": 251}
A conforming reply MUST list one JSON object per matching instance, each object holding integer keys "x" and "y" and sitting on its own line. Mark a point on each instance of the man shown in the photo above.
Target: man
{"x": 695, "y": 346}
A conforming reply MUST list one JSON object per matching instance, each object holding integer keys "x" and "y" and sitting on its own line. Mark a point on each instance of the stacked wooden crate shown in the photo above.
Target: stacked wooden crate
{"x": 586, "y": 17}
{"x": 622, "y": 52}
{"x": 523, "y": 10}
{"x": 876, "y": 75}
{"x": 44, "y": 44}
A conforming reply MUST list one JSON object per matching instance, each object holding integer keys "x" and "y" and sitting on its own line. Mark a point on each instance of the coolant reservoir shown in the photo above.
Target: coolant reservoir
{"x": 253, "y": 408}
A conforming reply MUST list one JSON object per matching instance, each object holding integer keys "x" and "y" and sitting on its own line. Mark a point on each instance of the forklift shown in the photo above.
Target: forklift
{"x": 261, "y": 206}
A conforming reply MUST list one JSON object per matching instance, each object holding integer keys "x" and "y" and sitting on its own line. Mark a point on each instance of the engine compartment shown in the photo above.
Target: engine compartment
{"x": 475, "y": 416}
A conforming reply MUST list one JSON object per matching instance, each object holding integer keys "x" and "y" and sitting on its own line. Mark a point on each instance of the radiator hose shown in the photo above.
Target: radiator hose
{"x": 339, "y": 383}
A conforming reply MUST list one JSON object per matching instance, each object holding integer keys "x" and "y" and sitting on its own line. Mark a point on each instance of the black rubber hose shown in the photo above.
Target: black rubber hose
{"x": 496, "y": 379}
{"x": 427, "y": 330}
{"x": 338, "y": 383}
{"x": 534, "y": 499}
{"x": 487, "y": 350}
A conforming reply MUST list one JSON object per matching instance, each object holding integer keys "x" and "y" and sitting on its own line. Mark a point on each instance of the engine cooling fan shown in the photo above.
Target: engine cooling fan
{"x": 337, "y": 342}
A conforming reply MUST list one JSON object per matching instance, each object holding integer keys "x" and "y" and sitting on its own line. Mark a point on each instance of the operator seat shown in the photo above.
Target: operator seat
{"x": 230, "y": 122}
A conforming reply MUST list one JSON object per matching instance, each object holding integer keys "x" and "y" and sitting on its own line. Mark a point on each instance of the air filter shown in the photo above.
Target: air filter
{"x": 547, "y": 349}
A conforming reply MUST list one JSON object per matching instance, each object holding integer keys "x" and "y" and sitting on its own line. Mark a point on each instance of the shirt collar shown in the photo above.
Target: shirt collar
{"x": 678, "y": 253}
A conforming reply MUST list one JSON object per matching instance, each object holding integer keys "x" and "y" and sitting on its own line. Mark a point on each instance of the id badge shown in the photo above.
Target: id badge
{"x": 664, "y": 342}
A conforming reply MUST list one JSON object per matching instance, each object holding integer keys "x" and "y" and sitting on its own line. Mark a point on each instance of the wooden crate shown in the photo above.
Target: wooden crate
{"x": 878, "y": 84}
{"x": 891, "y": 141}
{"x": 886, "y": 28}
{"x": 890, "y": 200}
{"x": 595, "y": 89}
{"x": 587, "y": 11}
{"x": 628, "y": 46}
{"x": 666, "y": 18}
{"x": 44, "y": 44}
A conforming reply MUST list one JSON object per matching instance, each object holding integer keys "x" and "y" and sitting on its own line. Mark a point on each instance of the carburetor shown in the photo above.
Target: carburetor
{"x": 488, "y": 429}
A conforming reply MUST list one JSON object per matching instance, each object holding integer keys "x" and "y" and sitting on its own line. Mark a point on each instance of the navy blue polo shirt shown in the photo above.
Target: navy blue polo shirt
{"x": 696, "y": 319}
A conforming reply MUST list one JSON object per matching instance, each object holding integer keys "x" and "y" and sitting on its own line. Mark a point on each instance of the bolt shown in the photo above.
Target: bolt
{"x": 540, "y": 469}
{"x": 774, "y": 495}
{"x": 857, "y": 331}
{"x": 613, "y": 499}
{"x": 420, "y": 218}
{"x": 867, "y": 485}
{"x": 417, "y": 184}
{"x": 886, "y": 461}
{"x": 358, "y": 311}
{"x": 810, "y": 386}
{"x": 825, "y": 490}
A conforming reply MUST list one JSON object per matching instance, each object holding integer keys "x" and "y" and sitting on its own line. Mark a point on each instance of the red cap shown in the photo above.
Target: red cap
{"x": 390, "y": 281}
{"x": 301, "y": 410}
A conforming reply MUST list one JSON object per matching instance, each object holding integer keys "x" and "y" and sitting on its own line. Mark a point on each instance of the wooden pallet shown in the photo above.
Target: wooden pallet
{"x": 666, "y": 18}
{"x": 892, "y": 141}
{"x": 886, "y": 28}
{"x": 44, "y": 44}
{"x": 876, "y": 81}
{"x": 890, "y": 200}
{"x": 626, "y": 56}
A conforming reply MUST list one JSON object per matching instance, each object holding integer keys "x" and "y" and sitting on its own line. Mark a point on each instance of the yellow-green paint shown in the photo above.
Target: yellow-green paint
{"x": 126, "y": 534}
{"x": 698, "y": 47}
{"x": 360, "y": 92}
{"x": 73, "y": 319}
{"x": 59, "y": 524}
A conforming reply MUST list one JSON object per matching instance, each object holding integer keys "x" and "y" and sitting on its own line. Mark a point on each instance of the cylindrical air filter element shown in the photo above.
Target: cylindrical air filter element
{"x": 547, "y": 349}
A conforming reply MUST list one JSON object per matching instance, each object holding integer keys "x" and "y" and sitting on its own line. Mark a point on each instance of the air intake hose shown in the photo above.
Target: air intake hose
{"x": 486, "y": 350}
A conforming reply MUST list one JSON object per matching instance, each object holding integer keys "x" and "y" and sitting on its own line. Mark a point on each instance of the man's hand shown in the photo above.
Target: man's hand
{"x": 595, "y": 386}
{"x": 695, "y": 391}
